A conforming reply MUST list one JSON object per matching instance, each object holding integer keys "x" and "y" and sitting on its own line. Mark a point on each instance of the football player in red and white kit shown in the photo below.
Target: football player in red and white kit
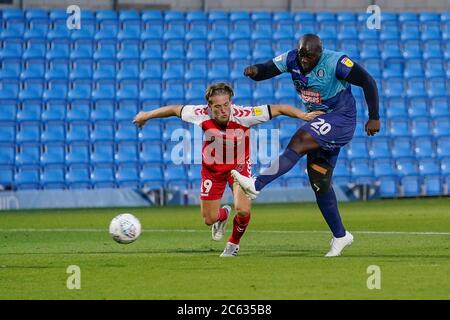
{"x": 226, "y": 147}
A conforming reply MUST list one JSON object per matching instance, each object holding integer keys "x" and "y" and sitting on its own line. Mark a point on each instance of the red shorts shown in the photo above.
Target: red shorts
{"x": 214, "y": 183}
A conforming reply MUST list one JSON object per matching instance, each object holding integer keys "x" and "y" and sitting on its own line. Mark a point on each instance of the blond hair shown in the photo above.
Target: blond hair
{"x": 218, "y": 88}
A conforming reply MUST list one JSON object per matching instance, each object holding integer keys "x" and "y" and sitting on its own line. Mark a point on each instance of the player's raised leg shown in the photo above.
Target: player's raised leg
{"x": 240, "y": 222}
{"x": 215, "y": 216}
{"x": 301, "y": 143}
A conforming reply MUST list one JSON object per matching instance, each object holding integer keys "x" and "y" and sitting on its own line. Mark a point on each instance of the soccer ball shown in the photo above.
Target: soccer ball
{"x": 125, "y": 228}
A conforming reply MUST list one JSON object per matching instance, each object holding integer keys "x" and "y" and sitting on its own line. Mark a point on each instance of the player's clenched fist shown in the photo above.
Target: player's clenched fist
{"x": 140, "y": 119}
{"x": 250, "y": 71}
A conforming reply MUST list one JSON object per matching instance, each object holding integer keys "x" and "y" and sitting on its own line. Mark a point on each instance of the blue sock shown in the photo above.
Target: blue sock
{"x": 279, "y": 167}
{"x": 328, "y": 206}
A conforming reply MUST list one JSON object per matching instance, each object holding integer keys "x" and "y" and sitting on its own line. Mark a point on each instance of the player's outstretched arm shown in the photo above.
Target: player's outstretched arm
{"x": 167, "y": 111}
{"x": 262, "y": 71}
{"x": 287, "y": 110}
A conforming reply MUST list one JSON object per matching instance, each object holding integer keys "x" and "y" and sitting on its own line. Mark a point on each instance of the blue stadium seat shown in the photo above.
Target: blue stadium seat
{"x": 77, "y": 153}
{"x": 424, "y": 148}
{"x": 396, "y": 107}
{"x": 433, "y": 186}
{"x": 57, "y": 69}
{"x": 393, "y": 88}
{"x": 78, "y": 110}
{"x": 79, "y": 90}
{"x": 102, "y": 131}
{"x": 411, "y": 186}
{"x": 29, "y": 111}
{"x": 126, "y": 110}
{"x": 357, "y": 149}
{"x": 440, "y": 107}
{"x": 415, "y": 88}
{"x": 102, "y": 176}
{"x": 77, "y": 132}
{"x": 152, "y": 69}
{"x": 128, "y": 70}
{"x": 194, "y": 174}
{"x": 388, "y": 187}
{"x": 38, "y": 21}
{"x": 27, "y": 178}
{"x": 104, "y": 90}
{"x": 432, "y": 50}
{"x": 413, "y": 68}
{"x": 174, "y": 173}
{"x": 421, "y": 127}
{"x": 398, "y": 127}
{"x": 402, "y": 148}
{"x": 412, "y": 50}
{"x": 443, "y": 147}
{"x": 151, "y": 152}
{"x": 445, "y": 168}
{"x": 6, "y": 176}
{"x": 151, "y": 176}
{"x": 150, "y": 132}
{"x": 197, "y": 50}
{"x": 436, "y": 87}
{"x": 102, "y": 111}
{"x": 102, "y": 152}
{"x": 127, "y": 176}
{"x": 429, "y": 167}
{"x": 174, "y": 50}
{"x": 361, "y": 172}
{"x": 417, "y": 107}
{"x": 53, "y": 177}
{"x": 103, "y": 70}
{"x": 380, "y": 149}
{"x": 241, "y": 50}
{"x": 341, "y": 173}
{"x": 174, "y": 71}
{"x": 53, "y": 132}
{"x": 173, "y": 93}
{"x": 28, "y": 132}
{"x": 151, "y": 92}
{"x": 441, "y": 127}
{"x": 7, "y": 154}
{"x": 407, "y": 167}
{"x": 7, "y": 132}
{"x": 384, "y": 168}
{"x": 434, "y": 68}
{"x": 126, "y": 153}
{"x": 263, "y": 92}
{"x": 125, "y": 131}
{"x": 392, "y": 69}
{"x": 128, "y": 89}
{"x": 195, "y": 93}
{"x": 8, "y": 111}
{"x": 78, "y": 177}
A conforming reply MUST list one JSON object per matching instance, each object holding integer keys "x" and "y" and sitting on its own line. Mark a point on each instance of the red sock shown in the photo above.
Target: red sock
{"x": 222, "y": 214}
{"x": 239, "y": 226}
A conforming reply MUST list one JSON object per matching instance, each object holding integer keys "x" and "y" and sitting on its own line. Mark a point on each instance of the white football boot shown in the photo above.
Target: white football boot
{"x": 231, "y": 250}
{"x": 338, "y": 244}
{"x": 247, "y": 184}
{"x": 218, "y": 228}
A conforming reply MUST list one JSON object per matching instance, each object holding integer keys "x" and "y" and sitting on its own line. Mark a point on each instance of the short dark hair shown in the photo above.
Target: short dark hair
{"x": 218, "y": 88}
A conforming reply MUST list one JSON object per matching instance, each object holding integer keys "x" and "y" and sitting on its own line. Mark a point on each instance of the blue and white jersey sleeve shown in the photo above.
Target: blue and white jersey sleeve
{"x": 343, "y": 67}
{"x": 281, "y": 62}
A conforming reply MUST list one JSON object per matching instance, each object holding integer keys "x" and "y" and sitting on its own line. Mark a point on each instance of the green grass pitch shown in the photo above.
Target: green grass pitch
{"x": 282, "y": 254}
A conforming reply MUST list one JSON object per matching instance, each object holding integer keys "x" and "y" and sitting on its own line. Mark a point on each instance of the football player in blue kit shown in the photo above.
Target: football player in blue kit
{"x": 322, "y": 79}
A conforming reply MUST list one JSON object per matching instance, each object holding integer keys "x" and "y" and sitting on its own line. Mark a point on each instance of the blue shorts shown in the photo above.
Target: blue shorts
{"x": 331, "y": 130}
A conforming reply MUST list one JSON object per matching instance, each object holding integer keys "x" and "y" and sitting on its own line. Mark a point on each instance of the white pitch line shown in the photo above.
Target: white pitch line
{"x": 204, "y": 231}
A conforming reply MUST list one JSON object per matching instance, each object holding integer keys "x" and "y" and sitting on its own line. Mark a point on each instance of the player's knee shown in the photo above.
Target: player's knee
{"x": 242, "y": 210}
{"x": 320, "y": 177}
